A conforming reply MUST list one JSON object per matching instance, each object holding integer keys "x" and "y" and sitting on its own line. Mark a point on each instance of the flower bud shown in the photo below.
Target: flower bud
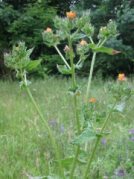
{"x": 88, "y": 29}
{"x": 71, "y": 15}
{"x": 121, "y": 77}
{"x": 48, "y": 30}
{"x": 92, "y": 100}
{"x": 66, "y": 49}
{"x": 83, "y": 43}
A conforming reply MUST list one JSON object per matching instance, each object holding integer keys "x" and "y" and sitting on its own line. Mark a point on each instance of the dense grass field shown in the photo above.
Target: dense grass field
{"x": 25, "y": 146}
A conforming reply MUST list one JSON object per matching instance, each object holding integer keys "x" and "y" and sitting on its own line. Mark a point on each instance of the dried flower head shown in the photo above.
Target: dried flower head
{"x": 83, "y": 42}
{"x": 92, "y": 100}
{"x": 66, "y": 49}
{"x": 48, "y": 29}
{"x": 114, "y": 52}
{"x": 121, "y": 77}
{"x": 71, "y": 15}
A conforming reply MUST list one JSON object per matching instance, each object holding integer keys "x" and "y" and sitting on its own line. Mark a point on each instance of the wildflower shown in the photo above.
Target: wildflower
{"x": 48, "y": 29}
{"x": 132, "y": 138}
{"x": 83, "y": 42}
{"x": 131, "y": 131}
{"x": 121, "y": 77}
{"x": 92, "y": 100}
{"x": 120, "y": 172}
{"x": 71, "y": 15}
{"x": 103, "y": 141}
{"x": 66, "y": 49}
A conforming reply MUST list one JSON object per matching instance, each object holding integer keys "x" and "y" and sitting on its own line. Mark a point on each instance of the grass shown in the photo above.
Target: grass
{"x": 24, "y": 144}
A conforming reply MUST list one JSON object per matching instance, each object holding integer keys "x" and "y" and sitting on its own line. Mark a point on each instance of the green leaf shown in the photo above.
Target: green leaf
{"x": 77, "y": 36}
{"x": 102, "y": 49}
{"x": 87, "y": 135}
{"x": 32, "y": 65}
{"x": 28, "y": 53}
{"x": 64, "y": 70}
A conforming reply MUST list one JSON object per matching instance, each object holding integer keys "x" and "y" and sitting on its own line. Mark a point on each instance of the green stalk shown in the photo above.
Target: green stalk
{"x": 96, "y": 144}
{"x": 48, "y": 129}
{"x": 74, "y": 85}
{"x": 90, "y": 76}
{"x": 62, "y": 57}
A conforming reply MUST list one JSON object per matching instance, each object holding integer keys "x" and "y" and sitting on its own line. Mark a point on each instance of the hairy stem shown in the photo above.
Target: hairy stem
{"x": 74, "y": 86}
{"x": 96, "y": 144}
{"x": 90, "y": 75}
{"x": 62, "y": 57}
{"x": 48, "y": 130}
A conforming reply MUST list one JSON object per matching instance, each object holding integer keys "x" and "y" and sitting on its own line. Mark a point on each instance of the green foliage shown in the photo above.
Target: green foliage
{"x": 19, "y": 60}
{"x": 122, "y": 11}
{"x": 64, "y": 70}
{"x": 29, "y": 25}
{"x": 86, "y": 136}
{"x": 24, "y": 21}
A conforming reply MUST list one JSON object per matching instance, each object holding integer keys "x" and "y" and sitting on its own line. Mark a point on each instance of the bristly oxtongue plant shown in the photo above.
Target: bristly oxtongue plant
{"x": 77, "y": 33}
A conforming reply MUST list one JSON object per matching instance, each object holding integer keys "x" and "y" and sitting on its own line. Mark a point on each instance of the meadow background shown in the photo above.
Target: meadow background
{"x": 25, "y": 146}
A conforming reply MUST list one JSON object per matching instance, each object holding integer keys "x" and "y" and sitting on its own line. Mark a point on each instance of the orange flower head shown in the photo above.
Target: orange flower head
{"x": 121, "y": 77}
{"x": 92, "y": 100}
{"x": 71, "y": 15}
{"x": 83, "y": 42}
{"x": 48, "y": 29}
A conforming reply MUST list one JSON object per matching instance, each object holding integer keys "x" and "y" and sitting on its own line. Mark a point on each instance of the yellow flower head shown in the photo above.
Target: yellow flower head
{"x": 92, "y": 100}
{"x": 71, "y": 15}
{"x": 121, "y": 77}
{"x": 48, "y": 29}
{"x": 83, "y": 42}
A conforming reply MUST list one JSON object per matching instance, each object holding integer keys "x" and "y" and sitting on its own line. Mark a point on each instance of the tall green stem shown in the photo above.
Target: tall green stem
{"x": 96, "y": 144}
{"x": 90, "y": 75}
{"x": 74, "y": 86}
{"x": 49, "y": 131}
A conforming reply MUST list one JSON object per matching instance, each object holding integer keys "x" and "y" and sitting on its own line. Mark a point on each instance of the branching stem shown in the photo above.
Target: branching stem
{"x": 62, "y": 57}
{"x": 74, "y": 85}
{"x": 96, "y": 144}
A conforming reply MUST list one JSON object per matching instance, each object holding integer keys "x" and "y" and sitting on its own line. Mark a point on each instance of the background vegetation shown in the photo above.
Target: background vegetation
{"x": 25, "y": 20}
